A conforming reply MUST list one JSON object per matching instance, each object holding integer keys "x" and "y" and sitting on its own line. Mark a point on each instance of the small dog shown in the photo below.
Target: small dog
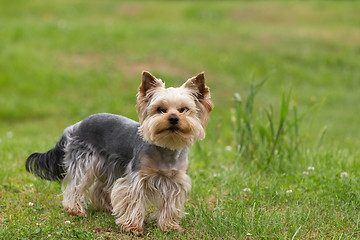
{"x": 123, "y": 164}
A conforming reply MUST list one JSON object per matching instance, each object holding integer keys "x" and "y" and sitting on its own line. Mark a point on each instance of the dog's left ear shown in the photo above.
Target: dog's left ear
{"x": 202, "y": 93}
{"x": 197, "y": 84}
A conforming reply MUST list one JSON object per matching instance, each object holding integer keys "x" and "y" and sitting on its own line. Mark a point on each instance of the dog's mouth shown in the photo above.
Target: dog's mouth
{"x": 172, "y": 129}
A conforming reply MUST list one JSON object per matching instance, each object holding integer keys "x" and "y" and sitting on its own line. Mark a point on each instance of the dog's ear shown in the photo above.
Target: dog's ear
{"x": 197, "y": 84}
{"x": 202, "y": 93}
{"x": 147, "y": 88}
{"x": 148, "y": 82}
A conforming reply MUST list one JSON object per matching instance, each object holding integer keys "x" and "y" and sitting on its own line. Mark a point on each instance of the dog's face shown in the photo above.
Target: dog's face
{"x": 173, "y": 118}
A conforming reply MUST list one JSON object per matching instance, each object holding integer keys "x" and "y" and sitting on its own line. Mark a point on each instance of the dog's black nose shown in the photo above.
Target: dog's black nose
{"x": 173, "y": 120}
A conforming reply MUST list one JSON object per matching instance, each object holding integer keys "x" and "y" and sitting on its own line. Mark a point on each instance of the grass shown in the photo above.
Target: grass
{"x": 61, "y": 61}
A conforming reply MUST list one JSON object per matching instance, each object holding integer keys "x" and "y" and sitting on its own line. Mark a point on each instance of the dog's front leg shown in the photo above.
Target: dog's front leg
{"x": 171, "y": 200}
{"x": 128, "y": 202}
{"x": 170, "y": 211}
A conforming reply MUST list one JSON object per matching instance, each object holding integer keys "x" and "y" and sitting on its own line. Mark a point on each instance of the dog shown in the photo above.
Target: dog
{"x": 122, "y": 166}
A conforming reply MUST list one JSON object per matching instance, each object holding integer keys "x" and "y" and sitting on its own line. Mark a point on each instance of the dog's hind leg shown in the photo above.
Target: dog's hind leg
{"x": 79, "y": 178}
{"x": 100, "y": 196}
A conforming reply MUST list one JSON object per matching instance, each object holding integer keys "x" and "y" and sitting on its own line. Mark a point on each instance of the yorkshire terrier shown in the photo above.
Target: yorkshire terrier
{"x": 123, "y": 164}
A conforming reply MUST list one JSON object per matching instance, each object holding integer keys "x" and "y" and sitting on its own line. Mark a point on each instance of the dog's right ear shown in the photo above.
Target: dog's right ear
{"x": 147, "y": 88}
{"x": 149, "y": 82}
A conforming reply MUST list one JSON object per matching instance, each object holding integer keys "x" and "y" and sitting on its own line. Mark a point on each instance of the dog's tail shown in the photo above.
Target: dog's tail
{"x": 48, "y": 165}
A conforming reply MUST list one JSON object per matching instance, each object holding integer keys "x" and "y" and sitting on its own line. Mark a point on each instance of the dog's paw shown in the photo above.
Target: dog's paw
{"x": 133, "y": 229}
{"x": 76, "y": 212}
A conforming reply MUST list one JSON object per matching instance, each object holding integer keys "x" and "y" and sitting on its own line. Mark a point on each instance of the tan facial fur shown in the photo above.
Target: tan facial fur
{"x": 189, "y": 103}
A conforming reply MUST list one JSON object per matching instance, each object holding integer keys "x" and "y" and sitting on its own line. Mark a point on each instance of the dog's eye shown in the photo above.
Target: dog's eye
{"x": 185, "y": 109}
{"x": 161, "y": 110}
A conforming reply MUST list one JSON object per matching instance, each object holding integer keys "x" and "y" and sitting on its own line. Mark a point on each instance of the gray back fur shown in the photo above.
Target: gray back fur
{"x": 119, "y": 148}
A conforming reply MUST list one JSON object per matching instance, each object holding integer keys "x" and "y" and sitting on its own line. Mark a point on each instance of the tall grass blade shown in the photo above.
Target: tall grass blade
{"x": 321, "y": 138}
{"x": 283, "y": 115}
{"x": 269, "y": 115}
{"x": 269, "y": 138}
{"x": 293, "y": 237}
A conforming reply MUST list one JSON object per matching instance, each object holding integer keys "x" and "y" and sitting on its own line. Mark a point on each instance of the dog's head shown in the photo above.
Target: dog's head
{"x": 173, "y": 118}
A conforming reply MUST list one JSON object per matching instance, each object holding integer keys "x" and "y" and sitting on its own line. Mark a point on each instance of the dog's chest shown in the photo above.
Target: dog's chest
{"x": 164, "y": 160}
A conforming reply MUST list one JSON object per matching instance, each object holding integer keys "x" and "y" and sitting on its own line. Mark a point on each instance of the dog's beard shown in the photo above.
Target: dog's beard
{"x": 156, "y": 130}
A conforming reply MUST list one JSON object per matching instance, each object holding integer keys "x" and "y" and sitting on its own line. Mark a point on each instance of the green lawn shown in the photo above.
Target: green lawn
{"x": 61, "y": 61}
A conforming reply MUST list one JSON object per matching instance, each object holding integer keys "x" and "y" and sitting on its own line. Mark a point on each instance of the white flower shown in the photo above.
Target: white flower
{"x": 289, "y": 191}
{"x": 38, "y": 224}
{"x": 217, "y": 175}
{"x": 67, "y": 222}
{"x": 228, "y": 148}
{"x": 247, "y": 190}
{"x": 237, "y": 97}
{"x": 311, "y": 168}
{"x": 306, "y": 173}
{"x": 344, "y": 174}
{"x": 248, "y": 234}
{"x": 31, "y": 204}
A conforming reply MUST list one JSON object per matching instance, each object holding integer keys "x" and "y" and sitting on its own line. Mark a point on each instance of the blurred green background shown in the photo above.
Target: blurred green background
{"x": 63, "y": 60}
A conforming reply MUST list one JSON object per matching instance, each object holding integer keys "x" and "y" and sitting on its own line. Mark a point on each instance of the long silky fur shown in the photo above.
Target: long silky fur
{"x": 88, "y": 168}
{"x": 165, "y": 189}
{"x": 48, "y": 165}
